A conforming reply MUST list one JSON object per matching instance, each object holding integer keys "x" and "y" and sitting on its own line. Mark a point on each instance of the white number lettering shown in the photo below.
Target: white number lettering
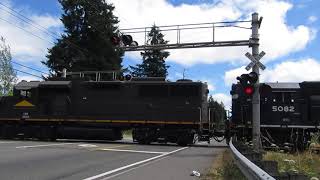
{"x": 274, "y": 108}
{"x": 291, "y": 108}
{"x": 283, "y": 108}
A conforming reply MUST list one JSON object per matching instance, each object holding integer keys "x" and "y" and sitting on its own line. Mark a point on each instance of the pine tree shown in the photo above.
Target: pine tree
{"x": 8, "y": 76}
{"x": 219, "y": 111}
{"x": 153, "y": 64}
{"x": 86, "y": 45}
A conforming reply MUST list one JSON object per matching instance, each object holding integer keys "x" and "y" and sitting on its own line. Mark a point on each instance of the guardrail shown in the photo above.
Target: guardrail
{"x": 249, "y": 169}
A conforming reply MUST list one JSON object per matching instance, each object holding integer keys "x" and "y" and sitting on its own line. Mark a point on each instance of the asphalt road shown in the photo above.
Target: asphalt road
{"x": 102, "y": 160}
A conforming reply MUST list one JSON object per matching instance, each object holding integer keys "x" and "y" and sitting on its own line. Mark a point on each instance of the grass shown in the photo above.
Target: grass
{"x": 305, "y": 162}
{"x": 224, "y": 168}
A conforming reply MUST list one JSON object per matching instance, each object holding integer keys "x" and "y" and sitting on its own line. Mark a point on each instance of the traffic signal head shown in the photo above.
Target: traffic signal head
{"x": 247, "y": 82}
{"x": 253, "y": 77}
{"x": 123, "y": 39}
{"x": 248, "y": 90}
{"x": 126, "y": 39}
{"x": 243, "y": 79}
{"x": 250, "y": 78}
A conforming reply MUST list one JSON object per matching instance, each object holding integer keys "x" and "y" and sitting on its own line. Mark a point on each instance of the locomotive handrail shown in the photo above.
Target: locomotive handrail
{"x": 249, "y": 169}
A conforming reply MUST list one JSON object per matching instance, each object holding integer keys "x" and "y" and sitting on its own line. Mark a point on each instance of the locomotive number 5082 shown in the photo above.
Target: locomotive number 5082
{"x": 283, "y": 108}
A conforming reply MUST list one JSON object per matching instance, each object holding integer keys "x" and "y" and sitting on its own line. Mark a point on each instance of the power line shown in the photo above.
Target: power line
{"x": 43, "y": 29}
{"x": 26, "y": 30}
{"x": 27, "y": 73}
{"x": 21, "y": 27}
{"x": 29, "y": 67}
{"x": 25, "y": 19}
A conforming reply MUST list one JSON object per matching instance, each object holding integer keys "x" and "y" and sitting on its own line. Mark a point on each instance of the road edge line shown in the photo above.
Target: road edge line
{"x": 43, "y": 145}
{"x": 133, "y": 164}
{"x": 133, "y": 151}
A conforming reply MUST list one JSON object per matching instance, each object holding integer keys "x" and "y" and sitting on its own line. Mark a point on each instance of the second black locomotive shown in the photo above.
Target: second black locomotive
{"x": 290, "y": 113}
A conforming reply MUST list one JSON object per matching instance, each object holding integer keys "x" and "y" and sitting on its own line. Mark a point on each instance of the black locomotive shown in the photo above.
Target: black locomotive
{"x": 88, "y": 107}
{"x": 290, "y": 113}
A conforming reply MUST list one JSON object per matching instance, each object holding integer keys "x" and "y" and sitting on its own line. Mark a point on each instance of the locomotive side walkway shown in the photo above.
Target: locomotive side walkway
{"x": 101, "y": 160}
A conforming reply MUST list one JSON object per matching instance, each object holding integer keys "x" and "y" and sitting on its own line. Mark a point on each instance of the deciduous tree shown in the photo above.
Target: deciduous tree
{"x": 8, "y": 76}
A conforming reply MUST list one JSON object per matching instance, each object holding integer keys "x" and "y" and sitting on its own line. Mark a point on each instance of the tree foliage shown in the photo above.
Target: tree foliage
{"x": 8, "y": 76}
{"x": 153, "y": 64}
{"x": 219, "y": 111}
{"x": 85, "y": 44}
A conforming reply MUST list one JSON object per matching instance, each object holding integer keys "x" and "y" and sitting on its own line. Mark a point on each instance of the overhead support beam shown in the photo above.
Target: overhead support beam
{"x": 187, "y": 45}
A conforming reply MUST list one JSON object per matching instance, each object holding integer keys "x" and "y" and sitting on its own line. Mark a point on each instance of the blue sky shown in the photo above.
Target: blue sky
{"x": 289, "y": 36}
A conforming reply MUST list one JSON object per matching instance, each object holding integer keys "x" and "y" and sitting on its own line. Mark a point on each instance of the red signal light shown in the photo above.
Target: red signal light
{"x": 248, "y": 90}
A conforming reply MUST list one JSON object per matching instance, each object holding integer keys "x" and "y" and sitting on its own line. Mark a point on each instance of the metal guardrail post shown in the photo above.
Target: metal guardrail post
{"x": 249, "y": 169}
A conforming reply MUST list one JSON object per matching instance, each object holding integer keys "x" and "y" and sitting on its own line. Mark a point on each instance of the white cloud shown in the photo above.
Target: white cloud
{"x": 27, "y": 78}
{"x": 293, "y": 71}
{"x": 211, "y": 86}
{"x": 312, "y": 19}
{"x": 277, "y": 37}
{"x": 288, "y": 71}
{"x": 225, "y": 99}
{"x": 25, "y": 46}
{"x": 230, "y": 76}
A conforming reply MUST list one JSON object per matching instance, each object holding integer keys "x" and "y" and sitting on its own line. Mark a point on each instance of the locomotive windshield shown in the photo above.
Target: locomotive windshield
{"x": 25, "y": 93}
{"x": 283, "y": 97}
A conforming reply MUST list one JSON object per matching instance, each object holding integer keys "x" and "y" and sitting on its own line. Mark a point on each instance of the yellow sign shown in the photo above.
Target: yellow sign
{"x": 24, "y": 103}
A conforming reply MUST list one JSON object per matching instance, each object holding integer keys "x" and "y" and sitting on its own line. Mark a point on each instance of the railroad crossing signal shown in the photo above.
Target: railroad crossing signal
{"x": 247, "y": 82}
{"x": 123, "y": 39}
{"x": 255, "y": 61}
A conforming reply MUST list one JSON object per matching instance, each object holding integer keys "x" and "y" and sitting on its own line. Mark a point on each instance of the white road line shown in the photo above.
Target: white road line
{"x": 134, "y": 151}
{"x": 123, "y": 172}
{"x": 134, "y": 164}
{"x": 44, "y": 145}
{"x": 4, "y": 142}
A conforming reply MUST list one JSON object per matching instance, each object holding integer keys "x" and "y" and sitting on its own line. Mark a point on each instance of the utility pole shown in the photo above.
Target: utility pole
{"x": 256, "y": 95}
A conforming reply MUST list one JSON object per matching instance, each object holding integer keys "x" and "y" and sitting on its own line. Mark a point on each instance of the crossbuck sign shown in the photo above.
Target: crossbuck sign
{"x": 255, "y": 61}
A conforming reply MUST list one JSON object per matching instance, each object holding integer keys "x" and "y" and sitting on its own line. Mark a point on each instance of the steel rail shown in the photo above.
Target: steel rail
{"x": 249, "y": 169}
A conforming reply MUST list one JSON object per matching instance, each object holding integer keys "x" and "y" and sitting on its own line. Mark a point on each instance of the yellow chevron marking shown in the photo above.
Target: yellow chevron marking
{"x": 24, "y": 103}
